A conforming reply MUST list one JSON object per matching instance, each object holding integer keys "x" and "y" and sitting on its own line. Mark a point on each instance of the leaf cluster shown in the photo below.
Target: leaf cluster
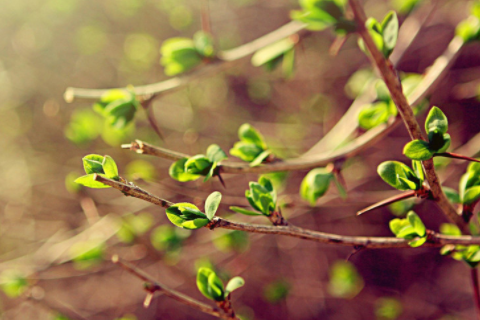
{"x": 261, "y": 196}
{"x": 188, "y": 216}
{"x": 189, "y": 169}
{"x": 321, "y": 14}
{"x": 183, "y": 54}
{"x": 469, "y": 254}
{"x": 251, "y": 147}
{"x": 212, "y": 287}
{"x": 400, "y": 176}
{"x": 384, "y": 34}
{"x": 436, "y": 126}
{"x": 118, "y": 107}
{"x": 96, "y": 164}
{"x": 410, "y": 228}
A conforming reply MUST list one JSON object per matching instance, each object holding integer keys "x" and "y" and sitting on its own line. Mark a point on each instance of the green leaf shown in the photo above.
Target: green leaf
{"x": 234, "y": 284}
{"x": 450, "y": 229}
{"x": 418, "y": 169}
{"x": 245, "y": 211}
{"x": 195, "y": 224}
{"x": 246, "y": 151}
{"x": 345, "y": 281}
{"x": 13, "y": 283}
{"x": 418, "y": 150}
{"x": 88, "y": 181}
{"x": 259, "y": 159}
{"x": 204, "y": 43}
{"x": 389, "y": 32}
{"x": 468, "y": 29}
{"x": 179, "y": 55}
{"x": 249, "y": 134}
{"x": 202, "y": 282}
{"x": 416, "y": 223}
{"x": 215, "y": 153}
{"x": 110, "y": 168}
{"x": 120, "y": 113}
{"x": 212, "y": 203}
{"x": 374, "y": 114}
{"x": 93, "y": 163}
{"x": 215, "y": 287}
{"x": 471, "y": 195}
{"x": 399, "y": 176}
{"x": 436, "y": 120}
{"x": 211, "y": 172}
{"x": 177, "y": 171}
{"x": 266, "y": 183}
{"x": 418, "y": 242}
{"x": 187, "y": 216}
{"x": 315, "y": 184}
{"x": 398, "y": 224}
{"x": 272, "y": 52}
{"x": 198, "y": 164}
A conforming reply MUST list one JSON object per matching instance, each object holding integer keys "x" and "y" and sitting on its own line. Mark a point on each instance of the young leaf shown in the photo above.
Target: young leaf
{"x": 212, "y": 203}
{"x": 249, "y": 134}
{"x": 315, "y": 184}
{"x": 211, "y": 172}
{"x": 215, "y": 153}
{"x": 399, "y": 176}
{"x": 246, "y": 151}
{"x": 450, "y": 229}
{"x": 436, "y": 120}
{"x": 259, "y": 159}
{"x": 418, "y": 150}
{"x": 416, "y": 223}
{"x": 471, "y": 195}
{"x": 92, "y": 163}
{"x": 88, "y": 181}
{"x": 374, "y": 114}
{"x": 198, "y": 164}
{"x": 204, "y": 43}
{"x": 187, "y": 216}
{"x": 110, "y": 168}
{"x": 245, "y": 211}
{"x": 418, "y": 169}
{"x": 177, "y": 171}
{"x": 202, "y": 282}
{"x": 389, "y": 32}
{"x": 272, "y": 52}
{"x": 215, "y": 287}
{"x": 234, "y": 284}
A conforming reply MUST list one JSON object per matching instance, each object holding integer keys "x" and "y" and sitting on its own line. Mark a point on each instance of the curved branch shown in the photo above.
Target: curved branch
{"x": 225, "y": 58}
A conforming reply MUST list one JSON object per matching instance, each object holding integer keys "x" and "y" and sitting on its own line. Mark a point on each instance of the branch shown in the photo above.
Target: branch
{"x": 434, "y": 239}
{"x": 392, "y": 81}
{"x": 156, "y": 286}
{"x": 225, "y": 59}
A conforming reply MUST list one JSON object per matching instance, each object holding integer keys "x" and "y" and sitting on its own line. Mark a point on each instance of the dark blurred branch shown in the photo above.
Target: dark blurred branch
{"x": 153, "y": 286}
{"x": 225, "y": 59}
{"x": 476, "y": 290}
{"x": 434, "y": 239}
{"x": 392, "y": 81}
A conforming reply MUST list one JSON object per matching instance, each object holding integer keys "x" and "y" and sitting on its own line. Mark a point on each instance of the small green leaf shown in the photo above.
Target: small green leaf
{"x": 418, "y": 150}
{"x": 13, "y": 283}
{"x": 110, "y": 168}
{"x": 249, "y": 134}
{"x": 390, "y": 32}
{"x": 177, "y": 171}
{"x": 215, "y": 153}
{"x": 212, "y": 203}
{"x": 471, "y": 195}
{"x": 436, "y": 120}
{"x": 198, "y": 164}
{"x": 418, "y": 169}
{"x": 195, "y": 224}
{"x": 374, "y": 114}
{"x": 315, "y": 184}
{"x": 345, "y": 281}
{"x": 234, "y": 284}
{"x": 469, "y": 29}
{"x": 88, "y": 181}
{"x": 245, "y": 211}
{"x": 215, "y": 287}
{"x": 272, "y": 51}
{"x": 259, "y": 159}
{"x": 179, "y": 55}
{"x": 416, "y": 223}
{"x": 418, "y": 242}
{"x": 202, "y": 281}
{"x": 450, "y": 229}
{"x": 397, "y": 224}
{"x": 186, "y": 215}
{"x": 204, "y": 43}
{"x": 399, "y": 176}
{"x": 93, "y": 163}
{"x": 246, "y": 151}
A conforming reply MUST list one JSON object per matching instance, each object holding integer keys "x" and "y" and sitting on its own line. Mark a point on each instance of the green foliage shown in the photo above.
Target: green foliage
{"x": 188, "y": 216}
{"x": 469, "y": 29}
{"x": 469, "y": 186}
{"x": 183, "y": 54}
{"x": 167, "y": 238}
{"x": 277, "y": 291}
{"x": 101, "y": 165}
{"x": 251, "y": 147}
{"x": 315, "y": 184}
{"x": 436, "y": 126}
{"x": 13, "y": 283}
{"x": 320, "y": 14}
{"x": 188, "y": 169}
{"x": 84, "y": 126}
{"x": 345, "y": 282}
{"x": 118, "y": 107}
{"x": 410, "y": 228}
{"x": 400, "y": 176}
{"x": 261, "y": 196}
{"x": 212, "y": 203}
{"x": 211, "y": 286}
{"x": 469, "y": 254}
{"x": 272, "y": 55}
{"x": 384, "y": 34}
{"x": 133, "y": 226}
{"x": 388, "y": 308}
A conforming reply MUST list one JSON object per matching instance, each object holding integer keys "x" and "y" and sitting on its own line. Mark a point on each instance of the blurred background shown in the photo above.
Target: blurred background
{"x": 57, "y": 238}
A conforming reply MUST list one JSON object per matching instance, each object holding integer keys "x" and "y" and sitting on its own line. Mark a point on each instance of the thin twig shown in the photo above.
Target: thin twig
{"x": 147, "y": 106}
{"x": 476, "y": 290}
{"x": 388, "y": 201}
{"x": 434, "y": 240}
{"x": 157, "y": 286}
{"x": 393, "y": 84}
{"x": 225, "y": 58}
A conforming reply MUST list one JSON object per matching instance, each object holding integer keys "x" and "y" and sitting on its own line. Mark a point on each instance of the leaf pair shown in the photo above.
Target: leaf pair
{"x": 320, "y": 14}
{"x": 101, "y": 165}
{"x": 316, "y": 184}
{"x": 188, "y": 169}
{"x": 410, "y": 228}
{"x": 400, "y": 176}
{"x": 280, "y": 52}
{"x": 118, "y": 107}
{"x": 384, "y": 34}
{"x": 188, "y": 216}
{"x": 183, "y": 54}
{"x": 211, "y": 286}
{"x": 261, "y": 196}
{"x": 436, "y": 126}
{"x": 468, "y": 254}
{"x": 251, "y": 147}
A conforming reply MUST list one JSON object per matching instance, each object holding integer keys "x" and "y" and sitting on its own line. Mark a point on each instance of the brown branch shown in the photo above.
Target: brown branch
{"x": 392, "y": 81}
{"x": 225, "y": 59}
{"x": 147, "y": 106}
{"x": 154, "y": 285}
{"x": 434, "y": 240}
{"x": 476, "y": 290}
{"x": 388, "y": 201}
